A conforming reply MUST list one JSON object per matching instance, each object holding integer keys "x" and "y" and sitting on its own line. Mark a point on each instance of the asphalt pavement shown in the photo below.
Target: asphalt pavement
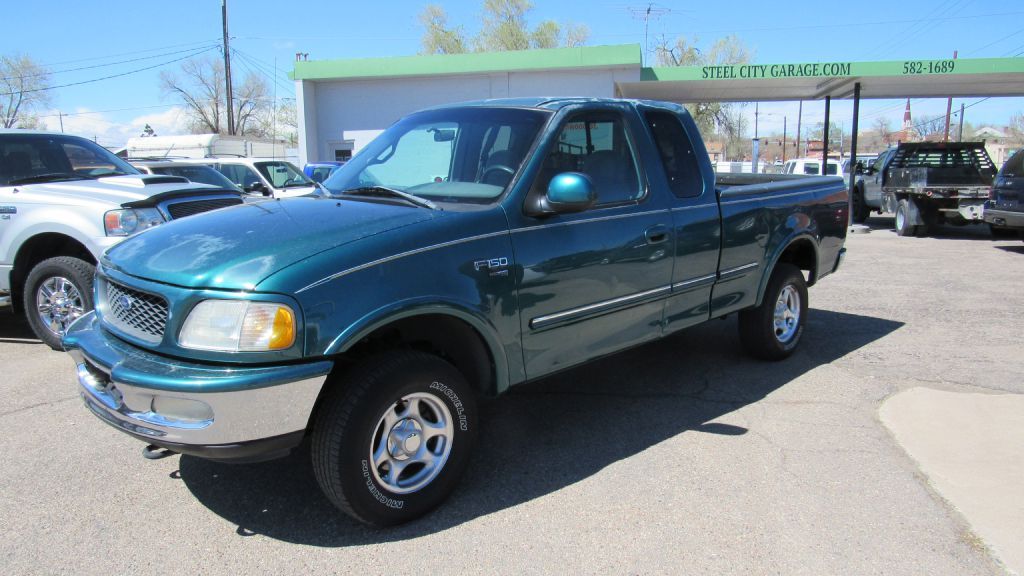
{"x": 683, "y": 456}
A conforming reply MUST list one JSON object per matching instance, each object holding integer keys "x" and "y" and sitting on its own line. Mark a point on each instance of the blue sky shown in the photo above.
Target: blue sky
{"x": 103, "y": 36}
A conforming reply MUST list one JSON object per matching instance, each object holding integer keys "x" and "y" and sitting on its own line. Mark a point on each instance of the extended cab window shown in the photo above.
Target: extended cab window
{"x": 595, "y": 143}
{"x": 676, "y": 151}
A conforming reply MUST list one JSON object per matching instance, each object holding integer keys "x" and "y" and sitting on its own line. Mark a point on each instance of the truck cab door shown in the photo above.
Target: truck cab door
{"x": 695, "y": 217}
{"x": 591, "y": 282}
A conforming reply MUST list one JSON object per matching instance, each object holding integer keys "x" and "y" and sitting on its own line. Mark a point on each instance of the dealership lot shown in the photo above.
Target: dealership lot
{"x": 681, "y": 456}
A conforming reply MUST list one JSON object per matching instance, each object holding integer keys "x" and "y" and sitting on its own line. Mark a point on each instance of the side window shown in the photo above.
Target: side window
{"x": 676, "y": 151}
{"x": 595, "y": 143}
{"x": 812, "y": 168}
{"x": 880, "y": 162}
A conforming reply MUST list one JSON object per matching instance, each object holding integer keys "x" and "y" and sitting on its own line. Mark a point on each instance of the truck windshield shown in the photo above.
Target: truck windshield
{"x": 467, "y": 155}
{"x": 283, "y": 174}
{"x": 37, "y": 158}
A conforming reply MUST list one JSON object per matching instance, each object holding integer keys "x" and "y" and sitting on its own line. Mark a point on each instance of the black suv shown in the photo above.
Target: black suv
{"x": 1004, "y": 210}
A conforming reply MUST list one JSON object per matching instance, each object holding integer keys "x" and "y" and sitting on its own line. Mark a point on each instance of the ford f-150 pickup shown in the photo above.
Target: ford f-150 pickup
{"x": 467, "y": 249}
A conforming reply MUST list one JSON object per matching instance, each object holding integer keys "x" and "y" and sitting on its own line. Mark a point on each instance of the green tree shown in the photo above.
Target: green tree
{"x": 504, "y": 26}
{"x": 24, "y": 89}
{"x": 438, "y": 38}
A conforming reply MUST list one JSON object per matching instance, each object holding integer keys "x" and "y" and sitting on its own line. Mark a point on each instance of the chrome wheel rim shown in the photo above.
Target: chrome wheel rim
{"x": 787, "y": 314}
{"x": 900, "y": 218}
{"x": 411, "y": 443}
{"x": 59, "y": 303}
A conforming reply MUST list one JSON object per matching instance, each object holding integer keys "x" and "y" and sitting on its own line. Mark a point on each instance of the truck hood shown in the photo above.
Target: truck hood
{"x": 109, "y": 191}
{"x": 235, "y": 248}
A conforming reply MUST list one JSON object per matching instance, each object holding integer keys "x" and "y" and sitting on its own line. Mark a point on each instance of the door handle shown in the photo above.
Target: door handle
{"x": 656, "y": 234}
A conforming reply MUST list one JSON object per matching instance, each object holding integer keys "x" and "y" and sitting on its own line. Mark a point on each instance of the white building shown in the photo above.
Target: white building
{"x": 343, "y": 104}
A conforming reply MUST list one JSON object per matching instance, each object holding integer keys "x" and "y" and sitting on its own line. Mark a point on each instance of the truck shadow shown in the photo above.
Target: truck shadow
{"x": 15, "y": 330}
{"x": 943, "y": 232}
{"x": 546, "y": 435}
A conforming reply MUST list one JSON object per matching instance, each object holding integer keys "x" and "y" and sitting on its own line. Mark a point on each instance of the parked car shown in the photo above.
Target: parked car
{"x": 193, "y": 172}
{"x": 812, "y": 166}
{"x": 468, "y": 248}
{"x": 63, "y": 201}
{"x": 931, "y": 183}
{"x": 263, "y": 176}
{"x": 1004, "y": 210}
{"x": 320, "y": 171}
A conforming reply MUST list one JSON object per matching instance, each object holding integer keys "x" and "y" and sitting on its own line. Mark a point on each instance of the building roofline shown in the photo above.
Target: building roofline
{"x": 470, "y": 63}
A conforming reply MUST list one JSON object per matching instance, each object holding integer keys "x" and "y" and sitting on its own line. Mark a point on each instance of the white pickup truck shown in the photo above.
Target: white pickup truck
{"x": 63, "y": 201}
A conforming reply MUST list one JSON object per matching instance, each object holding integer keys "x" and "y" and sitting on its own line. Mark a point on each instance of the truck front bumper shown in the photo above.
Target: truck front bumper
{"x": 220, "y": 412}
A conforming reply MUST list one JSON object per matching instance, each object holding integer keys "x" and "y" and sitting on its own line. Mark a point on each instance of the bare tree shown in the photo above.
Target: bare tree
{"x": 883, "y": 127}
{"x": 24, "y": 88}
{"x": 504, "y": 26}
{"x": 1016, "y": 126}
{"x": 930, "y": 127}
{"x": 200, "y": 89}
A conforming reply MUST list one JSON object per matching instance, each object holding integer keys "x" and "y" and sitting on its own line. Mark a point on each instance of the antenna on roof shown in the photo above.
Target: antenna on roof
{"x": 645, "y": 13}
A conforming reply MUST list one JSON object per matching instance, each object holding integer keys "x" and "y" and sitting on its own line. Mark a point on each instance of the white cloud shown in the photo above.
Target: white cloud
{"x": 111, "y": 133}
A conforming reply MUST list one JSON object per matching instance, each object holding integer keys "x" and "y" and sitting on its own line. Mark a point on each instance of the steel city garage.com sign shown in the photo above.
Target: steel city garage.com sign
{"x": 825, "y": 70}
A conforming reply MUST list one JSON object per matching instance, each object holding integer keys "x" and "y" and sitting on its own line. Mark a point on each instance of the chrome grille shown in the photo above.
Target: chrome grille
{"x": 136, "y": 313}
{"x": 182, "y": 209}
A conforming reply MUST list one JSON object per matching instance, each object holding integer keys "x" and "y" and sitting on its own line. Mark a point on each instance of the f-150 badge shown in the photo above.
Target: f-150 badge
{"x": 495, "y": 266}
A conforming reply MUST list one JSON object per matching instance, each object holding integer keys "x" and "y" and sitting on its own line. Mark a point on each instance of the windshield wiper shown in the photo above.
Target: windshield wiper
{"x": 51, "y": 177}
{"x": 384, "y": 190}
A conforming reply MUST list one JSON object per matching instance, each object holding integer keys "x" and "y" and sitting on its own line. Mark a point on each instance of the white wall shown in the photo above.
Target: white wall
{"x": 332, "y": 111}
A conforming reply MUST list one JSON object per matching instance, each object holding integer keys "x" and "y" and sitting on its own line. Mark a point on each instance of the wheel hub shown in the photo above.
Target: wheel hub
{"x": 405, "y": 439}
{"x": 411, "y": 443}
{"x": 59, "y": 303}
{"x": 787, "y": 314}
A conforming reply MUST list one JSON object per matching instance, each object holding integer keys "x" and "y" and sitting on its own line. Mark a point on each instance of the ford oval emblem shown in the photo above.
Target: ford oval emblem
{"x": 125, "y": 302}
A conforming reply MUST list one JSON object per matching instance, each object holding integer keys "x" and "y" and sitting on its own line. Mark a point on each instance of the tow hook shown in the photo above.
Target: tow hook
{"x": 152, "y": 452}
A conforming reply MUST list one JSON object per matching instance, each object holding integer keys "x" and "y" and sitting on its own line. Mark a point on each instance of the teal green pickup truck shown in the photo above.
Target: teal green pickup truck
{"x": 467, "y": 249}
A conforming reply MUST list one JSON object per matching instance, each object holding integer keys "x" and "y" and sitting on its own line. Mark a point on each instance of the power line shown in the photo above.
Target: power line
{"x": 129, "y": 53}
{"x": 104, "y": 65}
{"x": 990, "y": 44}
{"x": 265, "y": 68}
{"x": 260, "y": 69}
{"x": 112, "y": 75}
{"x": 824, "y": 26}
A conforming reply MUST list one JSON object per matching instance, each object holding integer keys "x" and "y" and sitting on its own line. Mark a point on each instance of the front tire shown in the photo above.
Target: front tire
{"x": 861, "y": 210}
{"x": 57, "y": 292}
{"x": 393, "y": 440}
{"x": 772, "y": 330}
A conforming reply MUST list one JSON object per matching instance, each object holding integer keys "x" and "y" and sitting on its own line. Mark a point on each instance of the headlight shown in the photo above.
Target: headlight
{"x": 131, "y": 220}
{"x": 238, "y": 326}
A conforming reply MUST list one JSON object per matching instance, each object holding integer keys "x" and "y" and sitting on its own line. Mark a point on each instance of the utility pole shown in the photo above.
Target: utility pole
{"x": 60, "y": 115}
{"x": 960, "y": 134}
{"x": 227, "y": 66}
{"x": 799, "y": 119}
{"x": 949, "y": 108}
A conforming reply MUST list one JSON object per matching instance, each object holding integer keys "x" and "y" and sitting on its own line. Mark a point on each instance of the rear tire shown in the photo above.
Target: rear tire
{"x": 902, "y": 220}
{"x": 392, "y": 441}
{"x": 57, "y": 292}
{"x": 772, "y": 330}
